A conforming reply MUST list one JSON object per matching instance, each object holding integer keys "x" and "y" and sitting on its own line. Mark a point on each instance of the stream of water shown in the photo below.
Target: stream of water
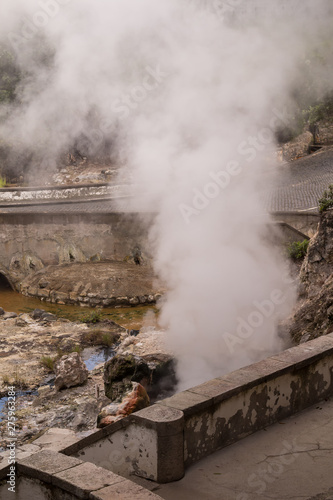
{"x": 131, "y": 318}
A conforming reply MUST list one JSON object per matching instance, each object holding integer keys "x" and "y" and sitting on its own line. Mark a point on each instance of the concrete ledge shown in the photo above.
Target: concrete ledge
{"x": 240, "y": 403}
{"x": 48, "y": 474}
{"x": 45, "y": 463}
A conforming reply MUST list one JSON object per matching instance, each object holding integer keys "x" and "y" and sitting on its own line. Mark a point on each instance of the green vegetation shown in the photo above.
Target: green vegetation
{"x": 97, "y": 337}
{"x": 17, "y": 381}
{"x": 48, "y": 363}
{"x": 94, "y": 317}
{"x": 326, "y": 201}
{"x": 298, "y": 249}
{"x": 3, "y": 182}
{"x": 77, "y": 348}
{"x": 9, "y": 75}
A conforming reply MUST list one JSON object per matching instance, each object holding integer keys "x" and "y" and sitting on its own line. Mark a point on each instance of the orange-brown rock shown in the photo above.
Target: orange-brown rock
{"x": 135, "y": 399}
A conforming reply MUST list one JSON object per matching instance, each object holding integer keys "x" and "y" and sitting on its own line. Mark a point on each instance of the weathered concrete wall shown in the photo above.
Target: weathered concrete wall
{"x": 283, "y": 233}
{"x": 193, "y": 424}
{"x": 149, "y": 444}
{"x": 305, "y": 222}
{"x": 29, "y": 242}
{"x": 48, "y": 475}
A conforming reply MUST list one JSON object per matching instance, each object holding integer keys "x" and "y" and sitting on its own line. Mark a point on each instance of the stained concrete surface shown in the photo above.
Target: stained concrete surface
{"x": 290, "y": 460}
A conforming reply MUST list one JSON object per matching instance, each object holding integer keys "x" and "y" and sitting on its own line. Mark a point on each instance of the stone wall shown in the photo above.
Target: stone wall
{"x": 176, "y": 432}
{"x": 29, "y": 242}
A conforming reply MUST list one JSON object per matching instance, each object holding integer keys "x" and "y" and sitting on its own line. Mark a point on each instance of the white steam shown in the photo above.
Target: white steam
{"x": 190, "y": 95}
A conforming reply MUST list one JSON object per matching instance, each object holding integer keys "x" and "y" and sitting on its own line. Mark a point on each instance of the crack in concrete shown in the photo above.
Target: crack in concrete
{"x": 296, "y": 452}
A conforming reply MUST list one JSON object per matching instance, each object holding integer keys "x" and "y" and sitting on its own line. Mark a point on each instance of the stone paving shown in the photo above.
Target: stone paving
{"x": 299, "y": 185}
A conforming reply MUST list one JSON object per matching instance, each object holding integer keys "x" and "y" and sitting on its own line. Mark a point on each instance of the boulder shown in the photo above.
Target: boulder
{"x": 37, "y": 313}
{"x": 155, "y": 372}
{"x": 48, "y": 317}
{"x": 70, "y": 371}
{"x": 134, "y": 399}
{"x": 2, "y": 311}
{"x": 121, "y": 371}
{"x": 163, "y": 379}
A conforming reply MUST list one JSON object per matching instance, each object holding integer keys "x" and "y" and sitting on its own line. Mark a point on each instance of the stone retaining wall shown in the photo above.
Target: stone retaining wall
{"x": 30, "y": 242}
{"x": 161, "y": 441}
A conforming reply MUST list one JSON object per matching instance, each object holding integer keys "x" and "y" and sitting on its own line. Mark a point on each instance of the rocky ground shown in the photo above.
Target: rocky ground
{"x": 77, "y": 169}
{"x": 24, "y": 341}
{"x": 313, "y": 316}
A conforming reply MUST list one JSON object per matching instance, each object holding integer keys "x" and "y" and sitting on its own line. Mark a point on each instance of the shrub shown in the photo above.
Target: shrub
{"x": 326, "y": 201}
{"x": 3, "y": 182}
{"x": 298, "y": 249}
{"x": 93, "y": 317}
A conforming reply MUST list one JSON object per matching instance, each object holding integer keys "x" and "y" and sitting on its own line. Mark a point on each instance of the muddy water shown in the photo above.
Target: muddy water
{"x": 131, "y": 318}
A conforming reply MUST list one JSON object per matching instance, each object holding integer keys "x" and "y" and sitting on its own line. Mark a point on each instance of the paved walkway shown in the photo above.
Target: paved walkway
{"x": 300, "y": 184}
{"x": 290, "y": 460}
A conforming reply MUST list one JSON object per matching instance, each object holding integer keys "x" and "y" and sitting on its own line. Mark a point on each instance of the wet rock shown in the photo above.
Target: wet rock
{"x": 121, "y": 371}
{"x": 2, "y": 311}
{"x": 48, "y": 317}
{"x": 155, "y": 372}
{"x": 70, "y": 371}
{"x": 163, "y": 379}
{"x": 134, "y": 399}
{"x": 9, "y": 315}
{"x": 37, "y": 313}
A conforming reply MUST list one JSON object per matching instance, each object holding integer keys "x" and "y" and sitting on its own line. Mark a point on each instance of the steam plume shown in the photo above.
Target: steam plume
{"x": 189, "y": 95}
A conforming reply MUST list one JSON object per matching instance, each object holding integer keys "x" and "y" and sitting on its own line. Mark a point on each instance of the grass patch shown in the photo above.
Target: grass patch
{"x": 298, "y": 249}
{"x": 16, "y": 381}
{"x": 98, "y": 337}
{"x": 48, "y": 363}
{"x": 77, "y": 348}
